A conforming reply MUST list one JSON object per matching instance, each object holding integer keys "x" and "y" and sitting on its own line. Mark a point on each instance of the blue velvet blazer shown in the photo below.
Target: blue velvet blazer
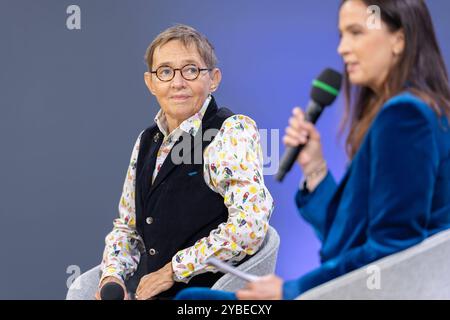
{"x": 394, "y": 194}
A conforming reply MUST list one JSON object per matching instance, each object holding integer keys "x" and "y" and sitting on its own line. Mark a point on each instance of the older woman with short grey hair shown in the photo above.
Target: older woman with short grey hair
{"x": 174, "y": 216}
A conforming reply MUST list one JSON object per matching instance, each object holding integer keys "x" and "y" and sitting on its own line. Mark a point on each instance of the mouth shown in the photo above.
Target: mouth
{"x": 180, "y": 97}
{"x": 351, "y": 66}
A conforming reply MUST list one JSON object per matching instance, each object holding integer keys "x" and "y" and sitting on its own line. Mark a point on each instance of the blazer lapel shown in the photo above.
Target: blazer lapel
{"x": 150, "y": 162}
{"x": 168, "y": 166}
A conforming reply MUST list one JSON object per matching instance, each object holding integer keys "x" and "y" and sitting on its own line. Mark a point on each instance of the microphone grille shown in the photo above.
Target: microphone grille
{"x": 326, "y": 87}
{"x": 112, "y": 291}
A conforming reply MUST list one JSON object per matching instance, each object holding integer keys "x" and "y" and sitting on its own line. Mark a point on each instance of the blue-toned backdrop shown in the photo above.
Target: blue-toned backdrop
{"x": 72, "y": 103}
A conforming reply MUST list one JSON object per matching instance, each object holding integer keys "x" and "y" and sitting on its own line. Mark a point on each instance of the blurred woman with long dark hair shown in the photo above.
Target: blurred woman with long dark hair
{"x": 396, "y": 191}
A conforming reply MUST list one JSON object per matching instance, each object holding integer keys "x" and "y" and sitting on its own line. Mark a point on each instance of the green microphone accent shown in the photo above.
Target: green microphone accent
{"x": 321, "y": 85}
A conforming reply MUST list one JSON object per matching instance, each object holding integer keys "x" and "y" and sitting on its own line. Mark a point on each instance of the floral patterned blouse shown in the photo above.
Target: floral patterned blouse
{"x": 233, "y": 167}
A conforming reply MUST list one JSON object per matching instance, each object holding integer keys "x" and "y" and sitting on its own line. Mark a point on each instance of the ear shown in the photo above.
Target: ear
{"x": 216, "y": 76}
{"x": 398, "y": 42}
{"x": 149, "y": 82}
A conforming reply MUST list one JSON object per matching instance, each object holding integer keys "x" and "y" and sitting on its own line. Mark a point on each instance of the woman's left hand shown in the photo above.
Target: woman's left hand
{"x": 266, "y": 288}
{"x": 155, "y": 283}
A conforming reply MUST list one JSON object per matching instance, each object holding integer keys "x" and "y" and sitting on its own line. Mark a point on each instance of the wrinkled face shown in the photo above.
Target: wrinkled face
{"x": 180, "y": 98}
{"x": 368, "y": 53}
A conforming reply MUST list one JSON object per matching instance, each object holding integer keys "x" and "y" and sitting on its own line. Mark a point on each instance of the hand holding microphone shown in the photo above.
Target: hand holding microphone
{"x": 310, "y": 158}
{"x": 323, "y": 93}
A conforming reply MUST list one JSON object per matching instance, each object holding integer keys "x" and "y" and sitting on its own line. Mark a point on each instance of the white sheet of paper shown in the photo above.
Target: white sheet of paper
{"x": 226, "y": 268}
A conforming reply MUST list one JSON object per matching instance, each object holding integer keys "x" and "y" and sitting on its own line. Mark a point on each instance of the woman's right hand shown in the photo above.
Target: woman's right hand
{"x": 111, "y": 279}
{"x": 311, "y": 157}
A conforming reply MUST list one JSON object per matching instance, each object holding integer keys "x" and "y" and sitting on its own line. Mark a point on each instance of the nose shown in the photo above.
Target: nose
{"x": 343, "y": 49}
{"x": 178, "y": 81}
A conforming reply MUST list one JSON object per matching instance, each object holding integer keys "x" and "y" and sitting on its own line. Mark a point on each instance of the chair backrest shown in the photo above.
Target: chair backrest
{"x": 420, "y": 272}
{"x": 262, "y": 263}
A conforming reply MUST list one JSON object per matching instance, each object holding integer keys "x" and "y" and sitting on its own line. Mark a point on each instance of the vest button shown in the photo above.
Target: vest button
{"x": 152, "y": 252}
{"x": 149, "y": 220}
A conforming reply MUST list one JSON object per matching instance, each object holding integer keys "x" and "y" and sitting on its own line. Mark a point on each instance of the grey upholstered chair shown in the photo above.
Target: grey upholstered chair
{"x": 262, "y": 263}
{"x": 420, "y": 272}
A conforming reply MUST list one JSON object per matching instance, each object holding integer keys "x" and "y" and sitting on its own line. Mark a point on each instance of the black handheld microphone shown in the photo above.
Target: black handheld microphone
{"x": 112, "y": 291}
{"x": 324, "y": 91}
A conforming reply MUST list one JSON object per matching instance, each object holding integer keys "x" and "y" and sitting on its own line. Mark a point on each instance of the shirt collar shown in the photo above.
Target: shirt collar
{"x": 190, "y": 125}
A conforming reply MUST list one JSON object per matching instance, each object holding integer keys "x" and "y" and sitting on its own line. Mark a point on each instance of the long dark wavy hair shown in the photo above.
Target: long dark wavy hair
{"x": 420, "y": 70}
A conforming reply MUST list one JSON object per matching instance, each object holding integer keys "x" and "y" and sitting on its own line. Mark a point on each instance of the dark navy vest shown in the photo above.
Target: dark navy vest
{"x": 179, "y": 208}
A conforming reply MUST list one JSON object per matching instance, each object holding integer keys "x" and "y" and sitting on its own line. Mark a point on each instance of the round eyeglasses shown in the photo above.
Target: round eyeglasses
{"x": 189, "y": 72}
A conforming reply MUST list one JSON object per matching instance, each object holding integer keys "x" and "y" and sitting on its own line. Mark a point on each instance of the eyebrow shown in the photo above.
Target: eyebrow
{"x": 350, "y": 26}
{"x": 184, "y": 62}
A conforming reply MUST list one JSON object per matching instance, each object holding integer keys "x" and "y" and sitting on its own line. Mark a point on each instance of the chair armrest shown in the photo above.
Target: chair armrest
{"x": 420, "y": 272}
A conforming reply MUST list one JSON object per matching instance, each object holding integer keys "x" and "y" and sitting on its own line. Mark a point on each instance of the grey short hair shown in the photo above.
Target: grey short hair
{"x": 188, "y": 36}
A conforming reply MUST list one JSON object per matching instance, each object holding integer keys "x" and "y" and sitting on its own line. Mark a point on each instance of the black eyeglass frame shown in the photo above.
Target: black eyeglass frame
{"x": 181, "y": 72}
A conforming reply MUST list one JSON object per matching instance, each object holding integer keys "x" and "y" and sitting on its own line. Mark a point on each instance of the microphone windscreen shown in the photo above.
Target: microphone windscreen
{"x": 326, "y": 87}
{"x": 112, "y": 291}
